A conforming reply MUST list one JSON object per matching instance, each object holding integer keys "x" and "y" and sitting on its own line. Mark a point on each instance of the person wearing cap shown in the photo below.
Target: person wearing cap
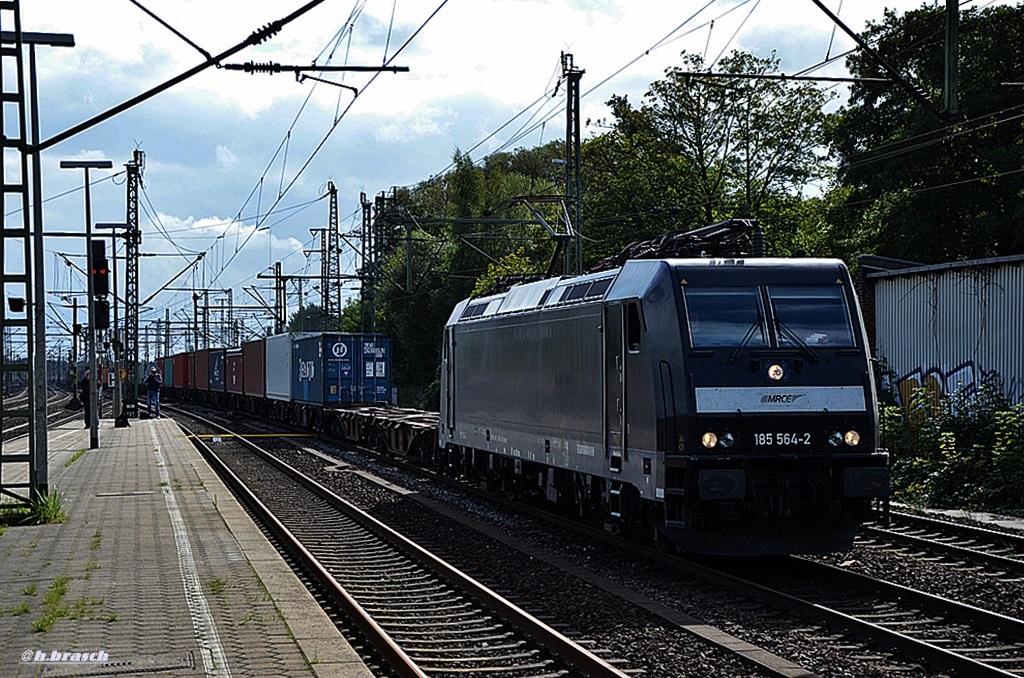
{"x": 153, "y": 383}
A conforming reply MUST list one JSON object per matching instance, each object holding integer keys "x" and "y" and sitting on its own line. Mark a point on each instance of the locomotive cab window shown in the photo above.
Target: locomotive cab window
{"x": 725, "y": 316}
{"x": 814, "y": 315}
{"x": 633, "y": 328}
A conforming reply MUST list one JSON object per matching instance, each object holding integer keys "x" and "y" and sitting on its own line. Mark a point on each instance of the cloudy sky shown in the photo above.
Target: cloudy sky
{"x": 237, "y": 164}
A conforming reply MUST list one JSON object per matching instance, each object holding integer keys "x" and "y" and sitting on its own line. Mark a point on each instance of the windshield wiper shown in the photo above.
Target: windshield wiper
{"x": 785, "y": 331}
{"x": 746, "y": 340}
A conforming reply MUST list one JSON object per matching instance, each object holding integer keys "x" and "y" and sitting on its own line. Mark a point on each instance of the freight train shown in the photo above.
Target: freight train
{"x": 724, "y": 405}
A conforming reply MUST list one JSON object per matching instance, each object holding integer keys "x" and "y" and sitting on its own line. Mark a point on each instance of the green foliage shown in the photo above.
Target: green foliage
{"x": 53, "y": 605}
{"x": 48, "y": 509}
{"x": 700, "y": 150}
{"x": 512, "y": 264}
{"x": 957, "y": 451}
{"x": 447, "y": 248}
{"x": 312, "y": 318}
{"x": 909, "y": 172}
{"x": 75, "y": 457}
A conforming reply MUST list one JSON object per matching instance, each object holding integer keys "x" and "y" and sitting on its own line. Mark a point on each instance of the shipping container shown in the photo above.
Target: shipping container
{"x": 951, "y": 327}
{"x": 167, "y": 371}
{"x": 233, "y": 370}
{"x": 279, "y": 367}
{"x": 217, "y": 376}
{"x": 341, "y": 369}
{"x": 375, "y": 368}
{"x": 183, "y": 370}
{"x": 323, "y": 369}
{"x": 201, "y": 369}
{"x": 254, "y": 357}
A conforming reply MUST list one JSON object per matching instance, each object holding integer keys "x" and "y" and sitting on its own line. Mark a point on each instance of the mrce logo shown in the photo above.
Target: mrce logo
{"x": 781, "y": 398}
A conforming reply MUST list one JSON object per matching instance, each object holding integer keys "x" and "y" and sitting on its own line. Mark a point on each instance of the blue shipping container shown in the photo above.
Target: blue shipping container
{"x": 216, "y": 368}
{"x": 341, "y": 369}
{"x": 375, "y": 369}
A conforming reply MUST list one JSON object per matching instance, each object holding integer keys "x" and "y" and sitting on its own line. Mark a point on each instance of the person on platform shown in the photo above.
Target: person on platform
{"x": 85, "y": 388}
{"x": 153, "y": 383}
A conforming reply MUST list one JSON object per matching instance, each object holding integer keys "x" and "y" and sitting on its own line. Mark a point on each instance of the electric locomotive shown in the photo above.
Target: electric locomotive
{"x": 726, "y": 404}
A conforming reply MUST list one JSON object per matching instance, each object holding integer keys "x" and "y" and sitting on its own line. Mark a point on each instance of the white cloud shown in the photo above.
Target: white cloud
{"x": 225, "y": 158}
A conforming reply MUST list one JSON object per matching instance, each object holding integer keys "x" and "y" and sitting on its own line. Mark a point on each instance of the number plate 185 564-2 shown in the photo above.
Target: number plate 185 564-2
{"x": 781, "y": 439}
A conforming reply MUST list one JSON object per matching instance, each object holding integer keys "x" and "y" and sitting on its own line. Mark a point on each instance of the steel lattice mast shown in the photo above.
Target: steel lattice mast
{"x": 330, "y": 288}
{"x": 133, "y": 238}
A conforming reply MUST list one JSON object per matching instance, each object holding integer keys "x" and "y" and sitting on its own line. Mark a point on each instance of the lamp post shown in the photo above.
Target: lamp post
{"x": 94, "y": 383}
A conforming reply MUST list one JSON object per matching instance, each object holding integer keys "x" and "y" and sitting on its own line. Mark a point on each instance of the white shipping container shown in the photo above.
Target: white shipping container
{"x": 279, "y": 367}
{"x": 952, "y": 327}
{"x": 279, "y": 364}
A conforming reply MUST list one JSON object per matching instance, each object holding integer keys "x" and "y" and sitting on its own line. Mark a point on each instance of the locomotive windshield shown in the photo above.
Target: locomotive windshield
{"x": 725, "y": 316}
{"x": 807, "y": 315}
{"x": 814, "y": 315}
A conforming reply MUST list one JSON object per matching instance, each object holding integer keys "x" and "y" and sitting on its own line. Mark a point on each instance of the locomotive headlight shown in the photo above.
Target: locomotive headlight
{"x": 852, "y": 438}
{"x": 709, "y": 440}
{"x": 835, "y": 439}
{"x": 775, "y": 372}
{"x": 727, "y": 440}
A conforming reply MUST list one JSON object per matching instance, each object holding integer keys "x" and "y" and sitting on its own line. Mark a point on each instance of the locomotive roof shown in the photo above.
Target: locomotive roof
{"x": 630, "y": 281}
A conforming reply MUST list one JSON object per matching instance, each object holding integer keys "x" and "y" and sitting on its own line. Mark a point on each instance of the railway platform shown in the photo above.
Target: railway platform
{"x": 156, "y": 570}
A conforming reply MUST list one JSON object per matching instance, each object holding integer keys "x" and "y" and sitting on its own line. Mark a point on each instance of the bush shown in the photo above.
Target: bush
{"x": 964, "y": 450}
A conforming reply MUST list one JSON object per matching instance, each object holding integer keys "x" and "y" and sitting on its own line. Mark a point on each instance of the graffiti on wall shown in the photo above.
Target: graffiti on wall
{"x": 966, "y": 378}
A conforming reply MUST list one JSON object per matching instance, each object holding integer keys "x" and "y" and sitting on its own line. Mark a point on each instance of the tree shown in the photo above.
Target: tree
{"x": 927, "y": 189}
{"x": 451, "y": 250}
{"x": 702, "y": 149}
{"x": 311, "y": 318}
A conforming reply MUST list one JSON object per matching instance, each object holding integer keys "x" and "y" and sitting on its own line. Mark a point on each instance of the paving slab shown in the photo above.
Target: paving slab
{"x": 157, "y": 569}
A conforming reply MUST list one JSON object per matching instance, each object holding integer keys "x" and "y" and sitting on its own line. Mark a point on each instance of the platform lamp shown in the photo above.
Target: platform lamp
{"x": 94, "y": 383}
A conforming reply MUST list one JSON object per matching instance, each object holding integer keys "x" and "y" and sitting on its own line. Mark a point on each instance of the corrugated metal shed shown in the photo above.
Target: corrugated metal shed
{"x": 952, "y": 326}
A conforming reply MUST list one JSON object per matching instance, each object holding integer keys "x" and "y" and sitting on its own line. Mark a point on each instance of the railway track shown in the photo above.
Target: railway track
{"x": 55, "y": 413}
{"x": 945, "y": 633}
{"x": 998, "y": 551}
{"x": 421, "y": 614}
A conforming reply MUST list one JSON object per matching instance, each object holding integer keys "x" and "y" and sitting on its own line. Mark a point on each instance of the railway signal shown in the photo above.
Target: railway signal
{"x": 100, "y": 269}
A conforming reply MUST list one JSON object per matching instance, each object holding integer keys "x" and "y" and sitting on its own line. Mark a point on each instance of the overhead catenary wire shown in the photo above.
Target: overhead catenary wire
{"x": 331, "y": 130}
{"x": 667, "y": 39}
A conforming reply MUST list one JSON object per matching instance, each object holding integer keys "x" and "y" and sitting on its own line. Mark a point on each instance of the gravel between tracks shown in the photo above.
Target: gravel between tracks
{"x": 648, "y": 643}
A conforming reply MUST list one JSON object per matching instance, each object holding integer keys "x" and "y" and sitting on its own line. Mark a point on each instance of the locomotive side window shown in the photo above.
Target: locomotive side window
{"x": 725, "y": 316}
{"x": 633, "y": 328}
{"x": 815, "y": 315}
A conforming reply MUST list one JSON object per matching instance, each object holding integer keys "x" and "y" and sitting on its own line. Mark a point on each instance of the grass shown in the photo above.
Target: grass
{"x": 53, "y": 605}
{"x": 75, "y": 458}
{"x": 16, "y": 611}
{"x": 83, "y": 608}
{"x": 48, "y": 509}
{"x": 29, "y": 590}
{"x": 216, "y": 586}
{"x": 96, "y": 539}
